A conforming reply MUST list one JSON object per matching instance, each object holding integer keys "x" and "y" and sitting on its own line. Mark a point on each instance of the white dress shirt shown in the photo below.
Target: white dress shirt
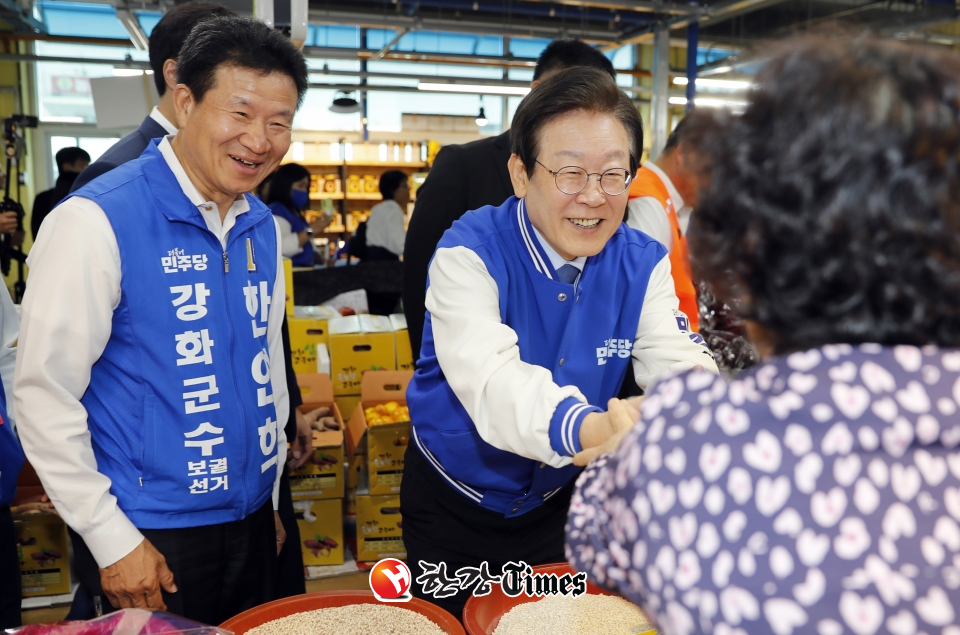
{"x": 74, "y": 288}
{"x": 385, "y": 227}
{"x": 647, "y": 214}
{"x": 157, "y": 116}
{"x": 509, "y": 400}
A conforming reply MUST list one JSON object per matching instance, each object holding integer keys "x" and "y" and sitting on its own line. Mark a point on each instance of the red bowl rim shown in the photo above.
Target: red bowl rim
{"x": 437, "y": 615}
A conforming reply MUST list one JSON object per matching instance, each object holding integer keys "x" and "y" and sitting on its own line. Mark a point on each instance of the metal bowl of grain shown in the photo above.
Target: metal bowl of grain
{"x": 598, "y": 612}
{"x": 343, "y": 613}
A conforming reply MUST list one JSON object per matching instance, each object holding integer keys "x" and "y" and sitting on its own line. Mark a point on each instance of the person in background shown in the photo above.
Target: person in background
{"x": 536, "y": 309}
{"x": 288, "y": 194}
{"x": 661, "y": 198}
{"x": 166, "y": 40}
{"x": 469, "y": 176}
{"x": 11, "y": 460}
{"x": 817, "y": 492}
{"x": 158, "y": 432}
{"x": 385, "y": 227}
{"x": 70, "y": 163}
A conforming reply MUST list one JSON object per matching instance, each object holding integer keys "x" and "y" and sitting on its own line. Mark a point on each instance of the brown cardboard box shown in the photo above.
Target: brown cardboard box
{"x": 321, "y": 531}
{"x": 42, "y": 549}
{"x": 321, "y": 477}
{"x": 306, "y": 334}
{"x": 384, "y": 445}
{"x": 379, "y": 528}
{"x": 359, "y": 343}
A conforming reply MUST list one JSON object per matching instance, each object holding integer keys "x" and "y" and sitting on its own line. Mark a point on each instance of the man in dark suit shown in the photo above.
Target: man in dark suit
{"x": 165, "y": 42}
{"x": 70, "y": 163}
{"x": 467, "y": 177}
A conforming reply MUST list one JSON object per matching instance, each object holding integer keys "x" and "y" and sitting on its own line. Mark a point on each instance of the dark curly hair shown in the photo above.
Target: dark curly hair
{"x": 832, "y": 212}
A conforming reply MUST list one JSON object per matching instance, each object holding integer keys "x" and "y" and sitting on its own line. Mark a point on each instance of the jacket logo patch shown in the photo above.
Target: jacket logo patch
{"x": 612, "y": 347}
{"x": 178, "y": 260}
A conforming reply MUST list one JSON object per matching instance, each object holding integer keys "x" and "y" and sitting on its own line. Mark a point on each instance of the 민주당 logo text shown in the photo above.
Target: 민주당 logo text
{"x": 515, "y": 578}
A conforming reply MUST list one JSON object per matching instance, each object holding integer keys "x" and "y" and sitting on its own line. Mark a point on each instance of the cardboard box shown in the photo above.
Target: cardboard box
{"x": 322, "y": 476}
{"x": 346, "y": 404}
{"x": 288, "y": 282}
{"x": 379, "y": 528}
{"x": 42, "y": 550}
{"x": 359, "y": 343}
{"x": 384, "y": 445}
{"x": 402, "y": 342}
{"x": 321, "y": 531}
{"x": 307, "y": 335}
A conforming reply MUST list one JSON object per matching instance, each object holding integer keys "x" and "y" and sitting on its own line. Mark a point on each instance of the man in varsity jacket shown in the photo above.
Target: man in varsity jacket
{"x": 150, "y": 380}
{"x": 535, "y": 309}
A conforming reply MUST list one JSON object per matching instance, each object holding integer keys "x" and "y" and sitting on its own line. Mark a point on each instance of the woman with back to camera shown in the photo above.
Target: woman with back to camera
{"x": 288, "y": 195}
{"x": 385, "y": 230}
{"x": 818, "y": 492}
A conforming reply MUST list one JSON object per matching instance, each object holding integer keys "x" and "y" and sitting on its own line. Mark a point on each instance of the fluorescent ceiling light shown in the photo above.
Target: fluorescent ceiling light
{"x": 730, "y": 84}
{"x": 127, "y": 72}
{"x": 475, "y": 89}
{"x": 708, "y": 102}
{"x": 63, "y": 119}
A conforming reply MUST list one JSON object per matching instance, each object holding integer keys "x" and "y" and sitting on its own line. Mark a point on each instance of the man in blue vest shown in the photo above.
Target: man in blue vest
{"x": 151, "y": 376}
{"x": 535, "y": 309}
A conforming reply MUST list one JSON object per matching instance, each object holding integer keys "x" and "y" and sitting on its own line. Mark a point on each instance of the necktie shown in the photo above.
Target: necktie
{"x": 568, "y": 274}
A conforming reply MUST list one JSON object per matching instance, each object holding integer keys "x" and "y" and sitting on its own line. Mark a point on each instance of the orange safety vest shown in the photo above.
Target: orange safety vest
{"x": 648, "y": 183}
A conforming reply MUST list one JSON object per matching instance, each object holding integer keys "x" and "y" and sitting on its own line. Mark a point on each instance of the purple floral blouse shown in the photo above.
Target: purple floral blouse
{"x": 815, "y": 493}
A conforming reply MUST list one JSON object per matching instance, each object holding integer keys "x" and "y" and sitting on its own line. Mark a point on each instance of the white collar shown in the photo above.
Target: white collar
{"x": 675, "y": 197}
{"x": 556, "y": 259}
{"x": 239, "y": 206}
{"x": 157, "y": 116}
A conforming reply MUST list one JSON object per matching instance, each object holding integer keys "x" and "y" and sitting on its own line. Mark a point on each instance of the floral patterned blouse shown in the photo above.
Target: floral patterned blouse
{"x": 815, "y": 493}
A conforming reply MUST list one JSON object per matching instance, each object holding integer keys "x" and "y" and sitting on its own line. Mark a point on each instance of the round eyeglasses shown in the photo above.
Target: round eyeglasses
{"x": 572, "y": 179}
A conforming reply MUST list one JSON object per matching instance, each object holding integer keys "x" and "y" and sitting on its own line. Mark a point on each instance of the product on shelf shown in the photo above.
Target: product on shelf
{"x": 371, "y": 184}
{"x": 354, "y": 186}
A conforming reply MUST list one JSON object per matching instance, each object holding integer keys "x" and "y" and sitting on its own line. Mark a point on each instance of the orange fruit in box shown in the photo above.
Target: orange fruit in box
{"x": 390, "y": 412}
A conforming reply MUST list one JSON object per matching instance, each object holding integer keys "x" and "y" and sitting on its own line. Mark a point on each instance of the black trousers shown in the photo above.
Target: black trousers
{"x": 220, "y": 570}
{"x": 442, "y": 525}
{"x": 9, "y": 572}
{"x": 290, "y": 580}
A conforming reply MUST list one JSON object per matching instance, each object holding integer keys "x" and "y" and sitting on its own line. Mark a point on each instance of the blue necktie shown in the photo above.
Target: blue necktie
{"x": 568, "y": 274}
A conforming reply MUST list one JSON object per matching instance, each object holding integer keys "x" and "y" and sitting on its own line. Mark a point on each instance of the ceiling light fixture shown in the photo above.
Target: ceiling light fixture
{"x": 482, "y": 118}
{"x": 345, "y": 104}
{"x": 474, "y": 88}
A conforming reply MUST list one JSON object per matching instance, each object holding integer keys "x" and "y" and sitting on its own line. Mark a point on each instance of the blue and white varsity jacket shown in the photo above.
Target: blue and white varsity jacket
{"x": 180, "y": 405}
{"x": 513, "y": 359}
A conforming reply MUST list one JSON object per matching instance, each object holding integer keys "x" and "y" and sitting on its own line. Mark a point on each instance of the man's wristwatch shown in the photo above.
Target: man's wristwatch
{"x": 309, "y": 232}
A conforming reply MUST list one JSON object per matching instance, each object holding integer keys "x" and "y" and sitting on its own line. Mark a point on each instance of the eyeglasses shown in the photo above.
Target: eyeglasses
{"x": 572, "y": 179}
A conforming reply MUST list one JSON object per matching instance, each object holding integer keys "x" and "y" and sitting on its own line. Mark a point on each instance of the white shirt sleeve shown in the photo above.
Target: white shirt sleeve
{"x": 660, "y": 344}
{"x": 647, "y": 215}
{"x": 9, "y": 330}
{"x": 278, "y": 370}
{"x": 289, "y": 241}
{"x": 510, "y": 401}
{"x": 74, "y": 287}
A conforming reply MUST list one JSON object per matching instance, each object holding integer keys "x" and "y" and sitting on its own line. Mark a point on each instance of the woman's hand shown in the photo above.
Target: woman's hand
{"x": 602, "y": 432}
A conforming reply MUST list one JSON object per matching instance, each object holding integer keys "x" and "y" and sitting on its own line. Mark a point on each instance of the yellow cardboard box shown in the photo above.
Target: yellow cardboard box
{"x": 322, "y": 476}
{"x": 321, "y": 531}
{"x": 353, "y": 468}
{"x": 402, "y": 342}
{"x": 42, "y": 549}
{"x": 359, "y": 343}
{"x": 384, "y": 445}
{"x": 288, "y": 282}
{"x": 306, "y": 335}
{"x": 379, "y": 528}
{"x": 346, "y": 404}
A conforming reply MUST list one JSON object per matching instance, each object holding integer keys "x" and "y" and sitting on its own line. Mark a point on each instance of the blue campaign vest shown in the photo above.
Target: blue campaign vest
{"x": 600, "y": 317}
{"x": 11, "y": 455}
{"x": 180, "y": 404}
{"x": 297, "y": 225}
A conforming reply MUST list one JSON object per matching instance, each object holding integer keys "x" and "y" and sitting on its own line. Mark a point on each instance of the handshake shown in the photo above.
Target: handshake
{"x": 603, "y": 432}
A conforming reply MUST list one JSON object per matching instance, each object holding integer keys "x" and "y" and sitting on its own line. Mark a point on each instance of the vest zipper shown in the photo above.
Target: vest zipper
{"x": 226, "y": 262}
{"x": 236, "y": 383}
